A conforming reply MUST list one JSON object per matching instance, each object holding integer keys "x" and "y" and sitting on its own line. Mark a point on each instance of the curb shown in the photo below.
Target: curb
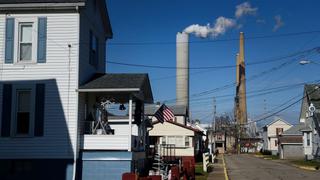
{"x": 225, "y": 169}
{"x": 309, "y": 168}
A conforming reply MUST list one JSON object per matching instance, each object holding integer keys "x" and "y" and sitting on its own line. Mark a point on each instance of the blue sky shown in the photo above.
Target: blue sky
{"x": 154, "y": 25}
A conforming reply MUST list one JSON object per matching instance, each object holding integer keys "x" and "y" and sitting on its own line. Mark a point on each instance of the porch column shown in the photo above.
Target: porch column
{"x": 130, "y": 124}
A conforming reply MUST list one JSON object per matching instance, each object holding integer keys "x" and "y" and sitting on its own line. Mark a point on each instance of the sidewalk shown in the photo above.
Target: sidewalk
{"x": 219, "y": 170}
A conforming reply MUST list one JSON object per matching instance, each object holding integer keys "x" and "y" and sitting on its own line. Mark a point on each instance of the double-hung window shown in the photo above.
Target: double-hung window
{"x": 25, "y": 44}
{"x": 23, "y": 111}
{"x": 25, "y": 40}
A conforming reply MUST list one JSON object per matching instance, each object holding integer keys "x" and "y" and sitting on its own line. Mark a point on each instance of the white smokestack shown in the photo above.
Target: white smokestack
{"x": 182, "y": 86}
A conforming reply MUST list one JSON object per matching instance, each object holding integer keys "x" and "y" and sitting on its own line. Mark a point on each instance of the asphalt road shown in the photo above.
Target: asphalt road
{"x": 248, "y": 167}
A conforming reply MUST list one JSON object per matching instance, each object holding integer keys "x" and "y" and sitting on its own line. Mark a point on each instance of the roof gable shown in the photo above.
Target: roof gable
{"x": 276, "y": 120}
{"x": 45, "y": 5}
{"x": 180, "y": 125}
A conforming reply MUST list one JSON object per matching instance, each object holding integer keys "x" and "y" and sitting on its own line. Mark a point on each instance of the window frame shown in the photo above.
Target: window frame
{"x": 308, "y": 134}
{"x": 94, "y": 42}
{"x": 17, "y": 35}
{"x": 14, "y": 111}
{"x": 187, "y": 140}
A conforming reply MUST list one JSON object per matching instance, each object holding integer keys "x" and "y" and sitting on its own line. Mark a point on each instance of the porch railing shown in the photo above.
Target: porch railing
{"x": 97, "y": 128}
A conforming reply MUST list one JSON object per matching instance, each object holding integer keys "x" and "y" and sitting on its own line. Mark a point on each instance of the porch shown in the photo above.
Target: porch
{"x": 111, "y": 112}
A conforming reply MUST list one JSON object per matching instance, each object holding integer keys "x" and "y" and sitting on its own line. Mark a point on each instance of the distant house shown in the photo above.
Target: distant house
{"x": 291, "y": 144}
{"x": 310, "y": 117}
{"x": 54, "y": 90}
{"x": 174, "y": 139}
{"x": 271, "y": 132}
{"x": 218, "y": 138}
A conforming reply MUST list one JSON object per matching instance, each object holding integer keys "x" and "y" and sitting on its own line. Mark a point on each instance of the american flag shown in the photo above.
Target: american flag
{"x": 164, "y": 114}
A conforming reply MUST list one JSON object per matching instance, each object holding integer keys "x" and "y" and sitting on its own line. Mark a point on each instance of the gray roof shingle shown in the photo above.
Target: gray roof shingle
{"x": 39, "y": 1}
{"x": 295, "y": 130}
{"x": 116, "y": 81}
{"x": 313, "y": 92}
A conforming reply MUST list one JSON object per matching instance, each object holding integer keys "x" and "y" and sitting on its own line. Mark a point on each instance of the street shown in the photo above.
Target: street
{"x": 248, "y": 167}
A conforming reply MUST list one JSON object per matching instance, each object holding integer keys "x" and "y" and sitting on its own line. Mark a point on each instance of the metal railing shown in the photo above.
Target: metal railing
{"x": 97, "y": 128}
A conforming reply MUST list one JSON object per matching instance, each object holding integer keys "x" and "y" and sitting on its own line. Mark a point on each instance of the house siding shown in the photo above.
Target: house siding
{"x": 86, "y": 25}
{"x": 105, "y": 164}
{"x": 292, "y": 151}
{"x": 60, "y": 118}
{"x": 270, "y": 135}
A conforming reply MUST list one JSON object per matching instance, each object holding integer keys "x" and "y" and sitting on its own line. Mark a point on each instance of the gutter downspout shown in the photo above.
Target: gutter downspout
{"x": 77, "y": 112}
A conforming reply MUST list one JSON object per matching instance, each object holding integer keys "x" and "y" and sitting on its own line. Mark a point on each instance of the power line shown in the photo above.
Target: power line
{"x": 233, "y": 84}
{"x": 287, "y": 107}
{"x": 216, "y": 40}
{"x": 269, "y": 90}
{"x": 216, "y": 67}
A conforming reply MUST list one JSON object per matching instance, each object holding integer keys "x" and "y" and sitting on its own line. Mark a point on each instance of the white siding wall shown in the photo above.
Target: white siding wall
{"x": 91, "y": 21}
{"x": 60, "y": 118}
{"x": 307, "y": 149}
{"x": 272, "y": 133}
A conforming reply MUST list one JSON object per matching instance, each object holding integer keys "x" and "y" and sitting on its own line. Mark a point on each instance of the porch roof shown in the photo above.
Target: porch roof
{"x": 137, "y": 85}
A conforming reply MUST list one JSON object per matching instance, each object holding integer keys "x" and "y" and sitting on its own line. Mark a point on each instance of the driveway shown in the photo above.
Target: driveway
{"x": 248, "y": 167}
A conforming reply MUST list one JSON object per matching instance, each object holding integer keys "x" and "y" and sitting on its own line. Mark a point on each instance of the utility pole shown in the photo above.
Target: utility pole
{"x": 214, "y": 125}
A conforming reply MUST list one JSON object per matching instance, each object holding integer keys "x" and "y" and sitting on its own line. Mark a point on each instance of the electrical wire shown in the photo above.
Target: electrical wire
{"x": 216, "y": 40}
{"x": 287, "y": 107}
{"x": 215, "y": 67}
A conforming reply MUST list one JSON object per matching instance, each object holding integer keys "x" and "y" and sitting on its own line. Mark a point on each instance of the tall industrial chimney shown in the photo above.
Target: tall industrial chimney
{"x": 242, "y": 85}
{"x": 182, "y": 81}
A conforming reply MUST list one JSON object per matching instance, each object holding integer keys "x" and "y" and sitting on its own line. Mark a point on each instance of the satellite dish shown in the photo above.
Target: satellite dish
{"x": 312, "y": 109}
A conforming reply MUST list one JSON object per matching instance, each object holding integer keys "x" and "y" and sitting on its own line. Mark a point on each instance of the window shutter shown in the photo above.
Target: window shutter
{"x": 42, "y": 39}
{"x": 9, "y": 41}
{"x": 39, "y": 110}
{"x": 6, "y": 110}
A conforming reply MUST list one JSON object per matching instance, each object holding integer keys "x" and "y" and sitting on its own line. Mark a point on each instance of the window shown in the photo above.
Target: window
{"x": 94, "y": 47}
{"x": 23, "y": 110}
{"x": 308, "y": 139}
{"x": 25, "y": 41}
{"x": 187, "y": 141}
{"x": 163, "y": 140}
{"x": 279, "y": 131}
{"x": 276, "y": 143}
{"x": 176, "y": 140}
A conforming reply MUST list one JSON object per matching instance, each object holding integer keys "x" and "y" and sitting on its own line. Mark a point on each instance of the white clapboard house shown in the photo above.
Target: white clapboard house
{"x": 310, "y": 120}
{"x": 58, "y": 107}
{"x": 271, "y": 133}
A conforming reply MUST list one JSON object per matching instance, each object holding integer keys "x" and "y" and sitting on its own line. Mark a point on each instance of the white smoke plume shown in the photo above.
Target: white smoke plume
{"x": 221, "y": 25}
{"x": 245, "y": 9}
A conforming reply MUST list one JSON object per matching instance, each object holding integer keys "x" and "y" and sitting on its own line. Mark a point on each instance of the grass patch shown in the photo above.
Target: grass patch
{"x": 273, "y": 157}
{"x": 311, "y": 163}
{"x": 199, "y": 172}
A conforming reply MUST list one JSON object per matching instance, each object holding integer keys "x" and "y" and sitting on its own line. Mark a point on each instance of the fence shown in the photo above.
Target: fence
{"x": 205, "y": 159}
